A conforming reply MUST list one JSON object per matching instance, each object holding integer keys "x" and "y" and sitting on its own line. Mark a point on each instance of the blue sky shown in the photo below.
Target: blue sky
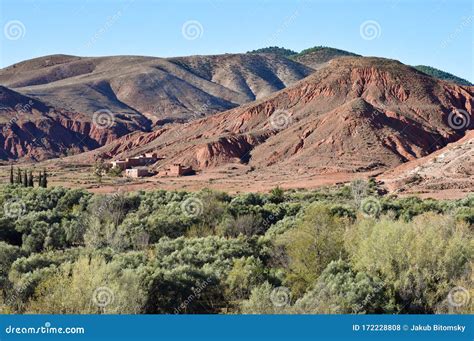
{"x": 431, "y": 32}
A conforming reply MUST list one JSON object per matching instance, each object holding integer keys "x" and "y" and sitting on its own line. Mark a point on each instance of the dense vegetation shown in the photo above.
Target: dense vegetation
{"x": 281, "y": 51}
{"x": 327, "y": 51}
{"x": 436, "y": 73}
{"x": 336, "y": 250}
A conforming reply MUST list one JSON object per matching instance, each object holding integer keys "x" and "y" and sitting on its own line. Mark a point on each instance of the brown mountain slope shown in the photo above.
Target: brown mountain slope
{"x": 33, "y": 130}
{"x": 353, "y": 115}
{"x": 160, "y": 89}
{"x": 450, "y": 169}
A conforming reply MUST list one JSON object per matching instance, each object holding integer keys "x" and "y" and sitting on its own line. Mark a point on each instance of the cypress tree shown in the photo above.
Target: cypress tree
{"x": 18, "y": 176}
{"x": 40, "y": 180}
{"x": 12, "y": 181}
{"x": 25, "y": 179}
{"x": 45, "y": 179}
{"x": 30, "y": 180}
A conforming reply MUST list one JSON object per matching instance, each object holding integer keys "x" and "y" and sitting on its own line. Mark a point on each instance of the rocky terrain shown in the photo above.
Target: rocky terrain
{"x": 32, "y": 130}
{"x": 84, "y": 103}
{"x": 355, "y": 114}
{"x": 449, "y": 171}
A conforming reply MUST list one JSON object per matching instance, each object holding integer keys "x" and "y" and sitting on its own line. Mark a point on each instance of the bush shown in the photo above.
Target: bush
{"x": 419, "y": 261}
{"x": 340, "y": 290}
{"x": 316, "y": 240}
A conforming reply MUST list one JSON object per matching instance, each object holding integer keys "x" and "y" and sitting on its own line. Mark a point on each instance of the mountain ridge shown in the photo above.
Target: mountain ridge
{"x": 355, "y": 114}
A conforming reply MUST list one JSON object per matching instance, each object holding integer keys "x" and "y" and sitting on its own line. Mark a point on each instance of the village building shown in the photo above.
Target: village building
{"x": 178, "y": 169}
{"x": 122, "y": 164}
{"x": 141, "y": 160}
{"x": 137, "y": 172}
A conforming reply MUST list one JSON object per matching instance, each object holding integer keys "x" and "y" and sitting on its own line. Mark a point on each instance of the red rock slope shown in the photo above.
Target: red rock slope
{"x": 355, "y": 114}
{"x": 30, "y": 129}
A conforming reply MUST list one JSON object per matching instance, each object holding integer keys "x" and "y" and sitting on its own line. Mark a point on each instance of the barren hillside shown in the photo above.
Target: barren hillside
{"x": 355, "y": 114}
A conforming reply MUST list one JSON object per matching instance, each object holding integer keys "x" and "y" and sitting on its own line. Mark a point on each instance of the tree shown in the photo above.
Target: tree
{"x": 261, "y": 302}
{"x": 341, "y": 290}
{"x": 11, "y": 175}
{"x": 245, "y": 275}
{"x": 316, "y": 241}
{"x": 25, "y": 179}
{"x": 277, "y": 195}
{"x": 247, "y": 225}
{"x": 99, "y": 170}
{"x": 18, "y": 176}
{"x": 30, "y": 179}
{"x": 92, "y": 286}
{"x": 183, "y": 290}
{"x": 40, "y": 180}
{"x": 420, "y": 261}
{"x": 44, "y": 183}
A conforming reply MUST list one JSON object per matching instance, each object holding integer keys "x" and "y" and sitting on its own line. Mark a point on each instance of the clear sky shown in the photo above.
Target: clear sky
{"x": 431, "y": 32}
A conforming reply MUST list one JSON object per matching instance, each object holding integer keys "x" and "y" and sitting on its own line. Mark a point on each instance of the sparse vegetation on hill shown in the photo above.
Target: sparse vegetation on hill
{"x": 336, "y": 250}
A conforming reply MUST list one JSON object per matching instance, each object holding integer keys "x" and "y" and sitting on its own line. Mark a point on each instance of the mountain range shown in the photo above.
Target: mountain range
{"x": 320, "y": 111}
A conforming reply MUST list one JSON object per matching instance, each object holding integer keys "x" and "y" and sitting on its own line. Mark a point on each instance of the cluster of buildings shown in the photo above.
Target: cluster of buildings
{"x": 137, "y": 167}
{"x": 138, "y": 161}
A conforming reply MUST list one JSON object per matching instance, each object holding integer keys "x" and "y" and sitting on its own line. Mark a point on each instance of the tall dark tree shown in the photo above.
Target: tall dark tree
{"x": 45, "y": 179}
{"x": 11, "y": 175}
{"x": 25, "y": 179}
{"x": 18, "y": 176}
{"x": 30, "y": 179}
{"x": 40, "y": 180}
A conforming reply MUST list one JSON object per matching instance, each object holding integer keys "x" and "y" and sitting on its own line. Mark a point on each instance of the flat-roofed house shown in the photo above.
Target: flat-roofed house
{"x": 178, "y": 169}
{"x": 137, "y": 172}
{"x": 122, "y": 164}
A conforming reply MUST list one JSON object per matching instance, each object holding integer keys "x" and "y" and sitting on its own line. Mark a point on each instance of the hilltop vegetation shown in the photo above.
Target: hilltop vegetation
{"x": 329, "y": 51}
{"x": 336, "y": 250}
{"x": 324, "y": 52}
{"x": 319, "y": 54}
{"x": 436, "y": 73}
{"x": 281, "y": 51}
